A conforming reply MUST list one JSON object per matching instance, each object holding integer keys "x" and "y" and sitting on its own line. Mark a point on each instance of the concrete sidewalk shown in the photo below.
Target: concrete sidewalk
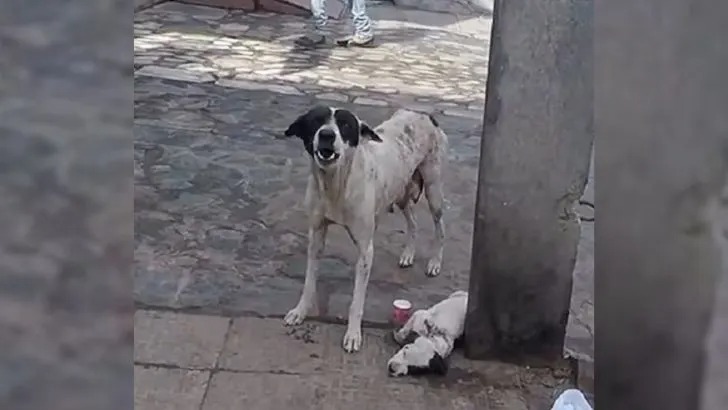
{"x": 192, "y": 362}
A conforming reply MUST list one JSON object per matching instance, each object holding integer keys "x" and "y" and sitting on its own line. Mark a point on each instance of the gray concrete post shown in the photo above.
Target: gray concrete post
{"x": 535, "y": 153}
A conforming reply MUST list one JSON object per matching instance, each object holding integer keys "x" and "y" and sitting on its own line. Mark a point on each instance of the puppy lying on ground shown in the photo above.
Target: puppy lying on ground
{"x": 429, "y": 337}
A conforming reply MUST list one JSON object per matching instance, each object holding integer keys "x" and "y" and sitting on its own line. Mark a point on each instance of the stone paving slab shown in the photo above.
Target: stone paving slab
{"x": 299, "y": 350}
{"x": 252, "y": 373}
{"x": 262, "y": 392}
{"x": 169, "y": 389}
{"x": 189, "y": 341}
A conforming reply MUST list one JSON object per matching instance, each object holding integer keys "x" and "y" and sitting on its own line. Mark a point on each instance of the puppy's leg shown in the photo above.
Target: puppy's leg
{"x": 408, "y": 254}
{"x": 363, "y": 236}
{"x": 433, "y": 192}
{"x": 316, "y": 243}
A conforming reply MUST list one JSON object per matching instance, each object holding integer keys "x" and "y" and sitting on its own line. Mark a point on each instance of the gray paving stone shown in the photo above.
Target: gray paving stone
{"x": 508, "y": 400}
{"x": 175, "y": 74}
{"x": 362, "y": 393}
{"x": 231, "y": 61}
{"x": 454, "y": 112}
{"x": 251, "y": 85}
{"x": 168, "y": 389}
{"x": 347, "y": 391}
{"x": 234, "y": 28}
{"x": 297, "y": 349}
{"x": 262, "y": 392}
{"x": 190, "y": 341}
{"x": 370, "y": 101}
{"x": 333, "y": 97}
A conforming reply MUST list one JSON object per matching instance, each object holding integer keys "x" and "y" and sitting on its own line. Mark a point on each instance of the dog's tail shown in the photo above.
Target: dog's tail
{"x": 442, "y": 136}
{"x": 434, "y": 121}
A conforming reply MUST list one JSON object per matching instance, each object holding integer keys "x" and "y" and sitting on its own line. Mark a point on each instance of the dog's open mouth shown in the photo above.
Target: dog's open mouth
{"x": 326, "y": 156}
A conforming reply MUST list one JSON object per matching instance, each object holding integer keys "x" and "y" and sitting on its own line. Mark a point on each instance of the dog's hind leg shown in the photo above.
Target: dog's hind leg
{"x": 433, "y": 192}
{"x": 316, "y": 243}
{"x": 408, "y": 253}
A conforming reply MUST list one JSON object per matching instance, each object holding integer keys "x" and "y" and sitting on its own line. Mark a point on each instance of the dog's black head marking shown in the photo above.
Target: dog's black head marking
{"x": 305, "y": 126}
{"x": 437, "y": 365}
{"x": 351, "y": 128}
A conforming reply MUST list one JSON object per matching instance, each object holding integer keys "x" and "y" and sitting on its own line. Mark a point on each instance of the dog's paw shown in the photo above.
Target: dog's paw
{"x": 433, "y": 267}
{"x": 352, "y": 340}
{"x": 407, "y": 258}
{"x": 294, "y": 317}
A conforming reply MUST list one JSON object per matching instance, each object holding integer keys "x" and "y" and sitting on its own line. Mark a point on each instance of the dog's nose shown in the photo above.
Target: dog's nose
{"x": 327, "y": 135}
{"x": 390, "y": 369}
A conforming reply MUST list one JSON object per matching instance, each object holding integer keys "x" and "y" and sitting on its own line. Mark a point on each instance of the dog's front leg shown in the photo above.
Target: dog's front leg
{"x": 364, "y": 238}
{"x": 316, "y": 242}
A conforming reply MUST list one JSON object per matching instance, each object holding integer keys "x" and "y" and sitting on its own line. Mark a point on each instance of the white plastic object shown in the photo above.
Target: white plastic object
{"x": 402, "y": 304}
{"x": 571, "y": 399}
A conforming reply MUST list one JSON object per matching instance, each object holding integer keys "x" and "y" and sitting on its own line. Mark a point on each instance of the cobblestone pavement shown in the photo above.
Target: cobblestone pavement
{"x": 440, "y": 67}
{"x": 190, "y": 362}
{"x": 219, "y": 224}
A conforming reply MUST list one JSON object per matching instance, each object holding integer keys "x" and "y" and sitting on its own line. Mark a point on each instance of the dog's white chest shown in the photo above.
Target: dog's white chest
{"x": 334, "y": 213}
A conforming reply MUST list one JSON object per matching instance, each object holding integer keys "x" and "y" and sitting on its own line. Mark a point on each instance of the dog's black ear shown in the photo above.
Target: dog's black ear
{"x": 438, "y": 365}
{"x": 297, "y": 128}
{"x": 366, "y": 131}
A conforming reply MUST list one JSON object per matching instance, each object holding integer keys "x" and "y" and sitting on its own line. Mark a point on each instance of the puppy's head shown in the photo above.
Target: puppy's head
{"x": 330, "y": 134}
{"x": 419, "y": 357}
{"x": 416, "y": 326}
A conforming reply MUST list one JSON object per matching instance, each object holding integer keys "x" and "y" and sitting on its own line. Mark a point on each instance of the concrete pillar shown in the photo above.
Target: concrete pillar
{"x": 535, "y": 153}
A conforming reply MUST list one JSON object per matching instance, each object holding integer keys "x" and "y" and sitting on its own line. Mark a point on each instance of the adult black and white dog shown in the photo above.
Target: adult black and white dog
{"x": 429, "y": 336}
{"x": 357, "y": 173}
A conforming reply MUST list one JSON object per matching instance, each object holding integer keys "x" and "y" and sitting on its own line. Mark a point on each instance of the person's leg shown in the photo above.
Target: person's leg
{"x": 363, "y": 32}
{"x": 320, "y": 18}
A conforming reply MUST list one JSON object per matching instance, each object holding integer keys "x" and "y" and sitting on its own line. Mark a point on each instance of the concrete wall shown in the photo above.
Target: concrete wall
{"x": 660, "y": 116}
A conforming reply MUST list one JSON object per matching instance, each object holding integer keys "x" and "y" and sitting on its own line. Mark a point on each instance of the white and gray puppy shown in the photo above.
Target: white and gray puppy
{"x": 357, "y": 173}
{"x": 429, "y": 337}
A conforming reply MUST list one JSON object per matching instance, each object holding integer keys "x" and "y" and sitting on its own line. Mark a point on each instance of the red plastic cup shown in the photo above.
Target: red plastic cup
{"x": 402, "y": 311}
